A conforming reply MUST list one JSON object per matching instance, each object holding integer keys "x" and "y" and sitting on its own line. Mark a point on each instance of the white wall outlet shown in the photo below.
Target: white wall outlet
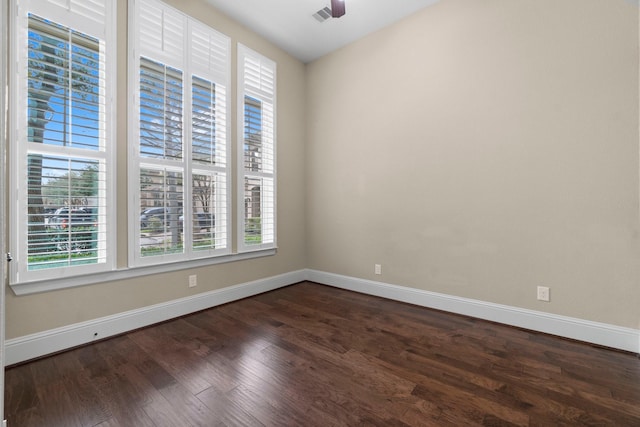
{"x": 193, "y": 280}
{"x": 544, "y": 293}
{"x": 377, "y": 269}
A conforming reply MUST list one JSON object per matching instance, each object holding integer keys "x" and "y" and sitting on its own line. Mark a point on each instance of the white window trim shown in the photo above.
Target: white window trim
{"x": 188, "y": 167}
{"x": 131, "y": 273}
{"x": 244, "y": 51}
{"x": 123, "y": 272}
{"x": 18, "y": 11}
{"x": 3, "y": 195}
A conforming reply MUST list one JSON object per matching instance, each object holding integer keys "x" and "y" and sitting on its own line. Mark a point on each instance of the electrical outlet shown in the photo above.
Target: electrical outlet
{"x": 193, "y": 281}
{"x": 377, "y": 268}
{"x": 544, "y": 293}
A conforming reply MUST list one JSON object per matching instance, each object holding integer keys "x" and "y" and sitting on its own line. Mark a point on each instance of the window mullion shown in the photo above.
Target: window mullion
{"x": 187, "y": 159}
{"x": 69, "y": 93}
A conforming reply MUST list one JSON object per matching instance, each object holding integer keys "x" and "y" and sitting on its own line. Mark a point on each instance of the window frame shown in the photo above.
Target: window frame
{"x": 104, "y": 30}
{"x": 119, "y": 268}
{"x": 180, "y": 55}
{"x": 3, "y": 193}
{"x": 266, "y": 93}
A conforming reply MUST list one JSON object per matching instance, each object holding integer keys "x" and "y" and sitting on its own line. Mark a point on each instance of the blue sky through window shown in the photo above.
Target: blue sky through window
{"x": 64, "y": 99}
{"x": 64, "y": 86}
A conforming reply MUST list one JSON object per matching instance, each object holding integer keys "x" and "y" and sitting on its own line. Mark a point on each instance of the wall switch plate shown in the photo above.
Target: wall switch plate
{"x": 544, "y": 293}
{"x": 193, "y": 281}
{"x": 377, "y": 268}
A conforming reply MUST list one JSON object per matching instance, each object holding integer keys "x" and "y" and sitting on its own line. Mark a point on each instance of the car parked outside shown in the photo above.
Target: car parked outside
{"x": 201, "y": 220}
{"x": 64, "y": 218}
{"x": 156, "y": 217}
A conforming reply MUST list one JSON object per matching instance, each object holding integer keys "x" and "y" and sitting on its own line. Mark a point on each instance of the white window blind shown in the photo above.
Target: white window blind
{"x": 161, "y": 111}
{"x": 210, "y": 52}
{"x": 95, "y": 17}
{"x": 259, "y": 75}
{"x": 161, "y": 32}
{"x": 63, "y": 174}
{"x": 180, "y": 179}
{"x": 209, "y": 160}
{"x": 257, "y": 161}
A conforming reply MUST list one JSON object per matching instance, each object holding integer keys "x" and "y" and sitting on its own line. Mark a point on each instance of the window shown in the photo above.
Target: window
{"x": 178, "y": 173}
{"x": 62, "y": 139}
{"x": 62, "y": 127}
{"x": 256, "y": 150}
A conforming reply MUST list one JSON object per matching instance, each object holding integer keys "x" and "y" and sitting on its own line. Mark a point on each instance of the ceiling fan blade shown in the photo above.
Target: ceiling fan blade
{"x": 337, "y": 8}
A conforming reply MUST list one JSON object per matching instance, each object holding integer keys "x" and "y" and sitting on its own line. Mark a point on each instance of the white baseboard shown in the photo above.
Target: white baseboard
{"x": 40, "y": 344}
{"x": 583, "y": 330}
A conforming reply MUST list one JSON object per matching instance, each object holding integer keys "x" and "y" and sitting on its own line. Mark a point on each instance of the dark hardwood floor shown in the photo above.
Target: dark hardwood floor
{"x": 311, "y": 355}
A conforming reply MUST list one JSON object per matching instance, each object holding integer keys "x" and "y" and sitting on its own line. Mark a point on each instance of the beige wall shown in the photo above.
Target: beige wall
{"x": 483, "y": 148}
{"x": 477, "y": 148}
{"x": 35, "y": 313}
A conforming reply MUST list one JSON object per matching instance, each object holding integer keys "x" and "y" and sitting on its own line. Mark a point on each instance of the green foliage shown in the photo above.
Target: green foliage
{"x": 74, "y": 185}
{"x": 253, "y": 231}
{"x": 66, "y": 259}
{"x": 161, "y": 250}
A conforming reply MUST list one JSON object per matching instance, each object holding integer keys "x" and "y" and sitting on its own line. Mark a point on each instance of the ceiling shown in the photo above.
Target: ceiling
{"x": 290, "y": 24}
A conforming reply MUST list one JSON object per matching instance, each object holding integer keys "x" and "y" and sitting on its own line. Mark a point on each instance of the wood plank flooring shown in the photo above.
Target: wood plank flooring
{"x": 311, "y": 355}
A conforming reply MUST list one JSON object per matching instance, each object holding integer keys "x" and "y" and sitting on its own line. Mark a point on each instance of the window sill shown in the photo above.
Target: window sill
{"x": 129, "y": 273}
